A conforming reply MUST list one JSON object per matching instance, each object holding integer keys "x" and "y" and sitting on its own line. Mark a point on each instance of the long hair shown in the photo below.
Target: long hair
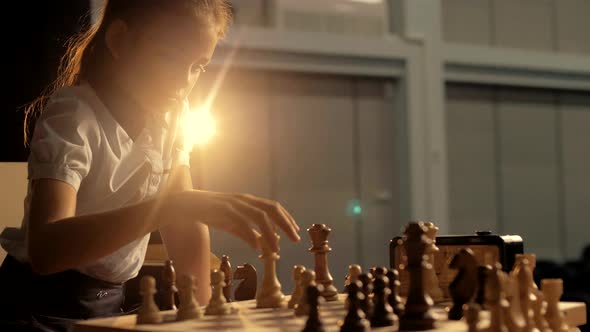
{"x": 86, "y": 51}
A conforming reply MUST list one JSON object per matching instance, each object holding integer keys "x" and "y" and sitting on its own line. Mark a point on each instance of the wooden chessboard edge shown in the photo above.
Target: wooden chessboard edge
{"x": 574, "y": 312}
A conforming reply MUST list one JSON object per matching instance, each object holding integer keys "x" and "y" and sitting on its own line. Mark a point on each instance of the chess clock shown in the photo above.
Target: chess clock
{"x": 488, "y": 248}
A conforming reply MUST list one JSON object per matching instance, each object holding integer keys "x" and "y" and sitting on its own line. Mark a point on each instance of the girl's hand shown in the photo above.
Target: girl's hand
{"x": 235, "y": 213}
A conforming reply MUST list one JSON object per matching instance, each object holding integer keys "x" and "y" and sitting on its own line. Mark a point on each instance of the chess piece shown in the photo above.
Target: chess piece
{"x": 319, "y": 238}
{"x": 218, "y": 304}
{"x": 402, "y": 268}
{"x": 148, "y": 313}
{"x": 227, "y": 271}
{"x": 432, "y": 285}
{"x": 382, "y": 312}
{"x": 313, "y": 323}
{"x": 538, "y": 304}
{"x": 418, "y": 315}
{"x": 539, "y": 311}
{"x": 298, "y": 291}
{"x": 307, "y": 279}
{"x": 354, "y": 271}
{"x": 524, "y": 277}
{"x": 373, "y": 271}
{"x": 532, "y": 261}
{"x": 395, "y": 301}
{"x": 553, "y": 290}
{"x": 246, "y": 290}
{"x": 471, "y": 314}
{"x": 269, "y": 295}
{"x": 495, "y": 300}
{"x": 482, "y": 273}
{"x": 379, "y": 271}
{"x": 169, "y": 289}
{"x": 463, "y": 288}
{"x": 355, "y": 317}
{"x": 365, "y": 304}
{"x": 189, "y": 307}
{"x": 513, "y": 315}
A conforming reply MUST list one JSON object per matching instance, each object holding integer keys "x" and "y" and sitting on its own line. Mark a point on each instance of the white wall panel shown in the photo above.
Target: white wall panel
{"x": 250, "y": 12}
{"x": 379, "y": 170}
{"x": 467, "y": 21}
{"x": 526, "y": 24}
{"x": 575, "y": 120}
{"x": 573, "y": 26}
{"x": 529, "y": 174}
{"x": 313, "y": 156}
{"x": 472, "y": 159}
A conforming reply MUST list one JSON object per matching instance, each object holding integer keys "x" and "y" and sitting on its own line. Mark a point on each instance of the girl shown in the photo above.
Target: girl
{"x": 108, "y": 166}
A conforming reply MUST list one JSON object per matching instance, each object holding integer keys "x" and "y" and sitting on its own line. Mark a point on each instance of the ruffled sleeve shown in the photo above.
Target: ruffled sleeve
{"x": 63, "y": 141}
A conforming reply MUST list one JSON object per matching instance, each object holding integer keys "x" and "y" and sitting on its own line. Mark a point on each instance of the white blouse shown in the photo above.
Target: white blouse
{"x": 76, "y": 140}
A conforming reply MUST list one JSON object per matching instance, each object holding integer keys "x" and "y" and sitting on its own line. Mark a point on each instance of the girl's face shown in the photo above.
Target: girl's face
{"x": 164, "y": 60}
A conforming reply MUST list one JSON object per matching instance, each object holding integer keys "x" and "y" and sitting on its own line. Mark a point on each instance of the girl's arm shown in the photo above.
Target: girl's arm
{"x": 58, "y": 240}
{"x": 188, "y": 244}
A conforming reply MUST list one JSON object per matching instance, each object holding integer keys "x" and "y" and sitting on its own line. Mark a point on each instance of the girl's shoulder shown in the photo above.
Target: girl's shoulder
{"x": 72, "y": 99}
{"x": 69, "y": 112}
{"x": 74, "y": 105}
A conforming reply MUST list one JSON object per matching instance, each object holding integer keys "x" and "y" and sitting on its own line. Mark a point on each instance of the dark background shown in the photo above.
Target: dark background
{"x": 38, "y": 31}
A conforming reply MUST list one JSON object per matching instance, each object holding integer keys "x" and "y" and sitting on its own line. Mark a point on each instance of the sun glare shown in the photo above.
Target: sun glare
{"x": 198, "y": 127}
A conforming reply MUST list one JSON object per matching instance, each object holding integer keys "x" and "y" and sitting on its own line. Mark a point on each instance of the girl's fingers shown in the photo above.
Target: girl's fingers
{"x": 276, "y": 213}
{"x": 239, "y": 226}
{"x": 290, "y": 217}
{"x": 258, "y": 217}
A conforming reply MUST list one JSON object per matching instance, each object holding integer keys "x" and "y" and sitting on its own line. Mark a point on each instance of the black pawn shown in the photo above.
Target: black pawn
{"x": 313, "y": 324}
{"x": 482, "y": 274}
{"x": 380, "y": 271}
{"x": 169, "y": 290}
{"x": 355, "y": 318}
{"x": 372, "y": 271}
{"x": 395, "y": 301}
{"x": 365, "y": 304}
{"x": 382, "y": 312}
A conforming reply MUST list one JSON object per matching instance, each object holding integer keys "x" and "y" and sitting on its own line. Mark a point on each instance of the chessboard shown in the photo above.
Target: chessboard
{"x": 483, "y": 297}
{"x": 245, "y": 316}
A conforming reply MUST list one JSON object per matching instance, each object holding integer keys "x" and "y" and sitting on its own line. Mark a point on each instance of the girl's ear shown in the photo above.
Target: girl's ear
{"x": 116, "y": 36}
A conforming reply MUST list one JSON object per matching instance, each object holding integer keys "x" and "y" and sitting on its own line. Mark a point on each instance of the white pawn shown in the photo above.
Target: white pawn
{"x": 525, "y": 288}
{"x": 148, "y": 313}
{"x": 539, "y": 305}
{"x": 495, "y": 300}
{"x": 189, "y": 307}
{"x": 514, "y": 318}
{"x": 307, "y": 279}
{"x": 540, "y": 309}
{"x": 354, "y": 271}
{"x": 298, "y": 292}
{"x": 431, "y": 280}
{"x": 218, "y": 304}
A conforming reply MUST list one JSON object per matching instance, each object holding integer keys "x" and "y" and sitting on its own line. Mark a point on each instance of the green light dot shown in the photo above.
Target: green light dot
{"x": 357, "y": 210}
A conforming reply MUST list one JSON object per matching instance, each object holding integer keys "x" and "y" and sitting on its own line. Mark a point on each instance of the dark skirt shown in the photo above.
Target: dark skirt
{"x": 52, "y": 303}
